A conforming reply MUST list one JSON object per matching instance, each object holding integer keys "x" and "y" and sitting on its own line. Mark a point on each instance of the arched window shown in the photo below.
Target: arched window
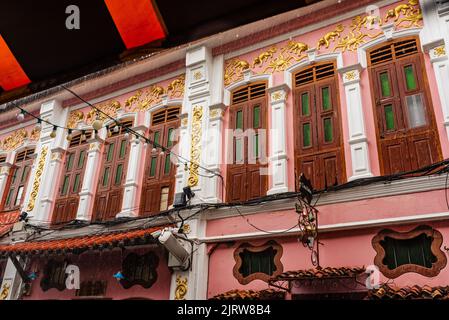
{"x": 246, "y": 178}
{"x": 159, "y": 179}
{"x": 71, "y": 181}
{"x": 18, "y": 179}
{"x": 406, "y": 131}
{"x": 108, "y": 200}
{"x": 318, "y": 139}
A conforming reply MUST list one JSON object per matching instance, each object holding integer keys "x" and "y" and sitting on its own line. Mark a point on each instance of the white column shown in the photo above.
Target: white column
{"x": 42, "y": 187}
{"x": 356, "y": 125}
{"x": 90, "y": 180}
{"x": 199, "y": 70}
{"x": 195, "y": 279}
{"x": 278, "y": 145}
{"x": 440, "y": 63}
{"x": 182, "y": 150}
{"x": 134, "y": 176}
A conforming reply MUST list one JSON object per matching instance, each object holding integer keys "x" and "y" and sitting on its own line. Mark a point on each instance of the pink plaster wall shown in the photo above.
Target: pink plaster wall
{"x": 346, "y": 212}
{"x": 101, "y": 266}
{"x": 341, "y": 249}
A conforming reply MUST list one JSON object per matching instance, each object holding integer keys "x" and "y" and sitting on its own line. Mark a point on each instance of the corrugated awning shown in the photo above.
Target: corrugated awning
{"x": 78, "y": 245}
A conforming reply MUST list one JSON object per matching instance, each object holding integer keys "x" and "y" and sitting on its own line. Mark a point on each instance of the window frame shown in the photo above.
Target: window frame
{"x": 27, "y": 161}
{"x": 435, "y": 247}
{"x": 257, "y": 275}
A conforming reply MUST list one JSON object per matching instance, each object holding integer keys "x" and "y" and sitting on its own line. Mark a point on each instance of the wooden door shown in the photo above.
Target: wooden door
{"x": 406, "y": 128}
{"x": 247, "y": 177}
{"x": 109, "y": 196}
{"x": 318, "y": 140}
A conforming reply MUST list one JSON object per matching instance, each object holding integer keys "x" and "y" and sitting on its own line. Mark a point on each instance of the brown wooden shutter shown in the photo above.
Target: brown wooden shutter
{"x": 318, "y": 139}
{"x": 248, "y": 119}
{"x": 406, "y": 129}
{"x": 154, "y": 197}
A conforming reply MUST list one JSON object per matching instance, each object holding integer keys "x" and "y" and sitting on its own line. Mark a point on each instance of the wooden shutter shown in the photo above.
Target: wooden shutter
{"x": 18, "y": 179}
{"x": 66, "y": 204}
{"x": 108, "y": 200}
{"x": 406, "y": 127}
{"x": 248, "y": 118}
{"x": 318, "y": 140}
{"x": 159, "y": 169}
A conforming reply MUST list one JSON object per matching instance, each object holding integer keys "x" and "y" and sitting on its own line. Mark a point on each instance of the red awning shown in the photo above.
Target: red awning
{"x": 80, "y": 244}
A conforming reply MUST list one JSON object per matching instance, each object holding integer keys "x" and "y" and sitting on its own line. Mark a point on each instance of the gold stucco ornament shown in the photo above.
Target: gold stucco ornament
{"x": 181, "y": 288}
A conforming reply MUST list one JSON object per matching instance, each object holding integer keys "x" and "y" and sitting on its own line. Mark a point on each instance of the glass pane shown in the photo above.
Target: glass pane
{"x": 167, "y": 164}
{"x": 256, "y": 145}
{"x": 106, "y": 176}
{"x": 76, "y": 184}
{"x": 239, "y": 120}
{"x": 305, "y": 104}
{"x": 122, "y": 148}
{"x": 306, "y": 136}
{"x": 164, "y": 199}
{"x": 25, "y": 173}
{"x": 153, "y": 166}
{"x": 19, "y": 195}
{"x": 416, "y": 113}
{"x": 118, "y": 174}
{"x": 157, "y": 135}
{"x": 110, "y": 152}
{"x": 170, "y": 137}
{"x": 410, "y": 79}
{"x": 328, "y": 133}
{"x": 65, "y": 185}
{"x": 238, "y": 150}
{"x": 385, "y": 84}
{"x": 81, "y": 159}
{"x": 256, "y": 117}
{"x": 9, "y": 197}
{"x": 325, "y": 96}
{"x": 389, "y": 117}
{"x": 14, "y": 175}
{"x": 69, "y": 161}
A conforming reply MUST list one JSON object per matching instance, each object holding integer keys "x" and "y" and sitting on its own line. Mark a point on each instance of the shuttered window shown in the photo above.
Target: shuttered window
{"x": 159, "y": 178}
{"x": 406, "y": 128}
{"x": 18, "y": 178}
{"x": 248, "y": 119}
{"x": 71, "y": 181}
{"x": 318, "y": 148}
{"x": 109, "y": 196}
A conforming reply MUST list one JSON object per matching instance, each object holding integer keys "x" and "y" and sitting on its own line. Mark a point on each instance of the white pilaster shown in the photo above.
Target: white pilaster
{"x": 90, "y": 180}
{"x": 199, "y": 70}
{"x": 356, "y": 125}
{"x": 440, "y": 63}
{"x": 12, "y": 281}
{"x": 278, "y": 144}
{"x": 42, "y": 186}
{"x": 197, "y": 274}
{"x": 133, "y": 183}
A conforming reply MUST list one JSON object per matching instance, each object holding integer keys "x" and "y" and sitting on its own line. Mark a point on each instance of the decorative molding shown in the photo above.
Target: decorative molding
{"x": 195, "y": 149}
{"x": 37, "y": 179}
{"x": 257, "y": 275}
{"x": 14, "y": 140}
{"x": 75, "y": 117}
{"x": 405, "y": 12}
{"x": 437, "y": 241}
{"x": 110, "y": 108}
{"x": 144, "y": 99}
{"x": 181, "y": 288}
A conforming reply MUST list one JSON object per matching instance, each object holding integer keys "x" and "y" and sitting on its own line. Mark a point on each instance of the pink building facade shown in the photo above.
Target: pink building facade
{"x": 353, "y": 95}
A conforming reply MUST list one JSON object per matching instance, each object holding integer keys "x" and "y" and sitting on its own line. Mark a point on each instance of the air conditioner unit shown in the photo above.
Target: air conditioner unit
{"x": 179, "y": 249}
